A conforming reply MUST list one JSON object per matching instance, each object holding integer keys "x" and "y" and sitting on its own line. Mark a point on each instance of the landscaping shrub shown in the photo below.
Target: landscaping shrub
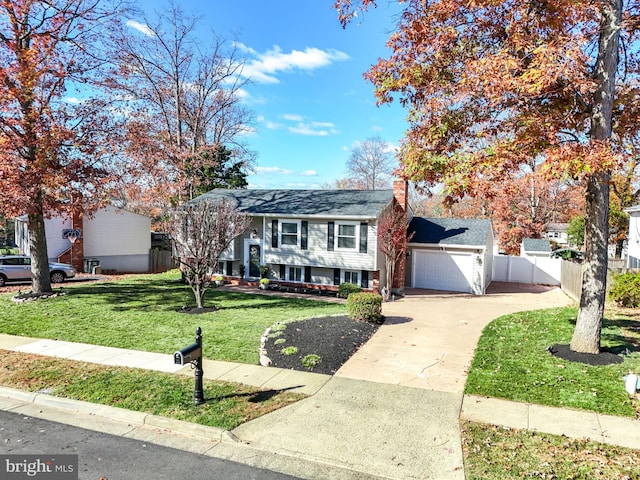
{"x": 626, "y": 290}
{"x": 365, "y": 306}
{"x": 347, "y": 288}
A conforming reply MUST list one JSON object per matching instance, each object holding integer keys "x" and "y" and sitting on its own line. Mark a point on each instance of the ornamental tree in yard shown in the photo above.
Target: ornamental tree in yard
{"x": 492, "y": 85}
{"x": 201, "y": 232}
{"x": 392, "y": 239}
{"x": 53, "y": 151}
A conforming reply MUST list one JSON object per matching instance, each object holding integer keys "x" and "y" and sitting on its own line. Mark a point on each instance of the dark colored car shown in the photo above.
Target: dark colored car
{"x": 15, "y": 268}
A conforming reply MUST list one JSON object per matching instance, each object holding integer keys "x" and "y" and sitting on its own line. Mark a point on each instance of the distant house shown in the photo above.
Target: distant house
{"x": 535, "y": 247}
{"x": 117, "y": 239}
{"x": 311, "y": 238}
{"x": 633, "y": 242}
{"x": 557, "y": 233}
{"x": 450, "y": 254}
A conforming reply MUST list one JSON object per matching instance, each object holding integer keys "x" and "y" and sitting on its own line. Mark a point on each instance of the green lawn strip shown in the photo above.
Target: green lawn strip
{"x": 511, "y": 362}
{"x": 140, "y": 313}
{"x": 169, "y": 395}
{"x": 499, "y": 453}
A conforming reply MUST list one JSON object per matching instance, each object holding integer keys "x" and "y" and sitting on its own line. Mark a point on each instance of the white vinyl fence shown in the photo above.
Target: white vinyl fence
{"x": 535, "y": 270}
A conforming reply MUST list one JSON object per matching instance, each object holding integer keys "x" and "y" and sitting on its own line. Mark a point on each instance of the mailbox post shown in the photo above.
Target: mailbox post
{"x": 193, "y": 355}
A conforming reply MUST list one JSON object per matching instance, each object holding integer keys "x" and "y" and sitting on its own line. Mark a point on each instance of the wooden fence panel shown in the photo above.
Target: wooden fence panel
{"x": 571, "y": 279}
{"x": 160, "y": 261}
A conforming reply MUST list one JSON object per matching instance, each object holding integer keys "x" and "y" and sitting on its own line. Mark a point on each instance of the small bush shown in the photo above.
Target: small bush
{"x": 626, "y": 290}
{"x": 365, "y": 306}
{"x": 311, "y": 360}
{"x": 347, "y": 288}
{"x": 289, "y": 350}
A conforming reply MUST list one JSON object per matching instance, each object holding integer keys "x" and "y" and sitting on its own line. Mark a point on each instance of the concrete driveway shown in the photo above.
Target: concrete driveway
{"x": 429, "y": 337}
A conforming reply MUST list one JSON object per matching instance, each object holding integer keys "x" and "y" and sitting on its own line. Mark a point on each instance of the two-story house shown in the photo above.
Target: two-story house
{"x": 320, "y": 238}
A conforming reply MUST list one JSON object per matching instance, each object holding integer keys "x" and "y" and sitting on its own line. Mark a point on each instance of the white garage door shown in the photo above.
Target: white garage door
{"x": 442, "y": 271}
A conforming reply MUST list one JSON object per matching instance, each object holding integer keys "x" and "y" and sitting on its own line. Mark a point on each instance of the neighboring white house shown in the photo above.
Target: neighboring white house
{"x": 557, "y": 233}
{"x": 118, "y": 239}
{"x": 633, "y": 243}
{"x": 450, "y": 254}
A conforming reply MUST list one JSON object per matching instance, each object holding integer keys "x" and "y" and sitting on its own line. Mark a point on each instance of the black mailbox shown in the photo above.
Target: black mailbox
{"x": 188, "y": 354}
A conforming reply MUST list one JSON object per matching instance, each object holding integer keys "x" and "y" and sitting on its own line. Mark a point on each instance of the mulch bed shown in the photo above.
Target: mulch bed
{"x": 596, "y": 360}
{"x": 335, "y": 339}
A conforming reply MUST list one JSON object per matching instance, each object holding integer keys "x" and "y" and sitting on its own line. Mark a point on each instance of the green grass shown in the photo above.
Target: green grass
{"x": 499, "y": 453}
{"x": 227, "y": 405}
{"x": 511, "y": 362}
{"x": 140, "y": 313}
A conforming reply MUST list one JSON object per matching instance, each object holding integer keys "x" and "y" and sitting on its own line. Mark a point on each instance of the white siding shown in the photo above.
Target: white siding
{"x": 114, "y": 232}
{"x": 317, "y": 254}
{"x": 633, "y": 244}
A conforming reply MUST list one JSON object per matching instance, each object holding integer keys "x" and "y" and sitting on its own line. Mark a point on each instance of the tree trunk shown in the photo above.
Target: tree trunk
{"x": 40, "y": 282}
{"x": 586, "y": 336}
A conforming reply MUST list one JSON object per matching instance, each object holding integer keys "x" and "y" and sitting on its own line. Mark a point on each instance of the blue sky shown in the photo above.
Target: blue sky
{"x": 308, "y": 95}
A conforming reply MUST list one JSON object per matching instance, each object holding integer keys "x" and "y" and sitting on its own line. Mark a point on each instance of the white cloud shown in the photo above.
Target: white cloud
{"x": 309, "y": 173}
{"x": 265, "y": 67}
{"x": 273, "y": 125}
{"x": 141, "y": 27}
{"x": 293, "y": 117}
{"x": 316, "y": 129}
{"x": 278, "y": 170}
{"x": 73, "y": 100}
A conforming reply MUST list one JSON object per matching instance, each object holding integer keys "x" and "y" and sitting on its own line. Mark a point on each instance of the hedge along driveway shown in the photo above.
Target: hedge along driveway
{"x": 141, "y": 313}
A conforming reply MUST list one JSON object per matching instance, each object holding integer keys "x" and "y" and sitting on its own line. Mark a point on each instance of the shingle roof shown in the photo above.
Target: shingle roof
{"x": 450, "y": 231}
{"x": 536, "y": 245}
{"x": 344, "y": 203}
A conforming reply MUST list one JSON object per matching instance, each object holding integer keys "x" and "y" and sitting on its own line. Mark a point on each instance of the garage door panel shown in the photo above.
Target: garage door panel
{"x": 442, "y": 271}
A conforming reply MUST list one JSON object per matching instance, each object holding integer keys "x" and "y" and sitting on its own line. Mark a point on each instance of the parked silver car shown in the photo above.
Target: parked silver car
{"x": 14, "y": 268}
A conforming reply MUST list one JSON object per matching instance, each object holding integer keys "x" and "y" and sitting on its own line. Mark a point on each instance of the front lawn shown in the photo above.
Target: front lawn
{"x": 227, "y": 405}
{"x": 141, "y": 313}
{"x": 512, "y": 362}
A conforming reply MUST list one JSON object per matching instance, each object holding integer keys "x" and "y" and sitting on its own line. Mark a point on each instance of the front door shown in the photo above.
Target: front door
{"x": 254, "y": 260}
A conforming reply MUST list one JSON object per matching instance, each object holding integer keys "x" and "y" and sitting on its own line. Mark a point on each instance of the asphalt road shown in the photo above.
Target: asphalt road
{"x": 109, "y": 457}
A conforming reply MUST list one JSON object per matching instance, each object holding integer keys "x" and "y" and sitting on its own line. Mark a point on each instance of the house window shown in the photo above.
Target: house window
{"x": 289, "y": 233}
{"x": 347, "y": 236}
{"x": 295, "y": 274}
{"x": 351, "y": 277}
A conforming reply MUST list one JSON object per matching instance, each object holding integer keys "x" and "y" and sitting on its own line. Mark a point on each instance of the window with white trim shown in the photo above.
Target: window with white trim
{"x": 347, "y": 236}
{"x": 289, "y": 233}
{"x": 351, "y": 277}
{"x": 294, "y": 274}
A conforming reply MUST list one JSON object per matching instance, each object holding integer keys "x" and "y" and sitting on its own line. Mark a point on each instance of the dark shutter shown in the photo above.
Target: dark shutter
{"x": 274, "y": 233}
{"x": 229, "y": 268}
{"x": 303, "y": 237}
{"x": 283, "y": 271}
{"x": 363, "y": 237}
{"x": 330, "y": 233}
{"x": 364, "y": 279}
{"x": 336, "y": 276}
{"x": 307, "y": 274}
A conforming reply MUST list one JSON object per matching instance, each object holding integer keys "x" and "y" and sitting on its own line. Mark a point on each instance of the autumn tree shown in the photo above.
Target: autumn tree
{"x": 54, "y": 152}
{"x": 492, "y": 84}
{"x": 184, "y": 106}
{"x": 201, "y": 232}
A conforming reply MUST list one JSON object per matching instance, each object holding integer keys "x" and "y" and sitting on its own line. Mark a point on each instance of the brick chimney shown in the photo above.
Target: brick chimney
{"x": 400, "y": 188}
{"x": 77, "y": 258}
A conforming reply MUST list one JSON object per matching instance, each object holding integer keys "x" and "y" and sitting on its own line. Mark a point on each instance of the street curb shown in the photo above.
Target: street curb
{"x": 177, "y": 434}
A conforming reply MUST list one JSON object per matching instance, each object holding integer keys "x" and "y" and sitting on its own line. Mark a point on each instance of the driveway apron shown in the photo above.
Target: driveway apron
{"x": 429, "y": 337}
